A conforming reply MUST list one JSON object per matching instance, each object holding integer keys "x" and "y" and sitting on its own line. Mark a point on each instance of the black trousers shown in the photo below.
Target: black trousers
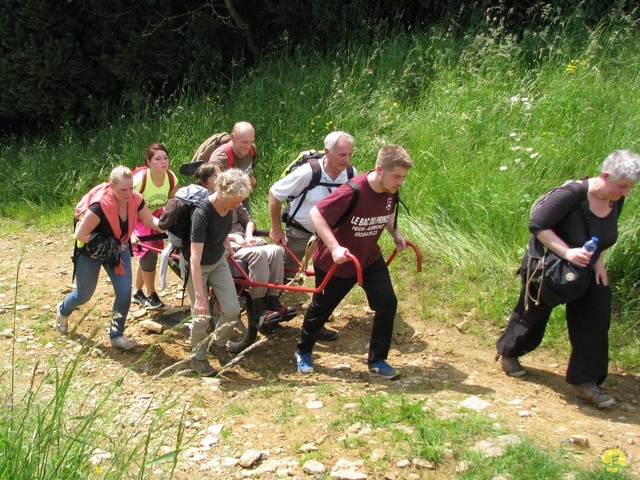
{"x": 588, "y": 322}
{"x": 380, "y": 295}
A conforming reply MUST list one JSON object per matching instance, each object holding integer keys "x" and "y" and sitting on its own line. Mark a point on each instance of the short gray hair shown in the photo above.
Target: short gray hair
{"x": 233, "y": 183}
{"x": 331, "y": 139}
{"x": 622, "y": 164}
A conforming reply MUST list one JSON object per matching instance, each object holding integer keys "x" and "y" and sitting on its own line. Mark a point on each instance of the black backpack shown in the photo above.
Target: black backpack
{"x": 312, "y": 157}
{"x": 176, "y": 218}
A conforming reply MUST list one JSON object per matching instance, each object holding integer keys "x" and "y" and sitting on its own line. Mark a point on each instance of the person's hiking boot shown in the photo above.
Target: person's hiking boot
{"x": 305, "y": 362}
{"x": 222, "y": 354}
{"x": 511, "y": 366}
{"x": 140, "y": 299}
{"x": 383, "y": 369}
{"x": 594, "y": 394}
{"x": 327, "y": 335}
{"x": 154, "y": 302}
{"x": 123, "y": 343}
{"x": 262, "y": 315}
{"x": 287, "y": 313}
{"x": 61, "y": 321}
{"x": 268, "y": 316}
{"x": 203, "y": 367}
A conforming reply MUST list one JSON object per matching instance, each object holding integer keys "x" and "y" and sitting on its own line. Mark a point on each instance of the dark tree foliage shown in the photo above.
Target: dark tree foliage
{"x": 66, "y": 60}
{"x": 62, "y": 61}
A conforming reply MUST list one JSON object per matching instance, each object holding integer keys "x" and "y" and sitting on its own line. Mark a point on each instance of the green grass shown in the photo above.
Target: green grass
{"x": 287, "y": 411}
{"x": 411, "y": 429}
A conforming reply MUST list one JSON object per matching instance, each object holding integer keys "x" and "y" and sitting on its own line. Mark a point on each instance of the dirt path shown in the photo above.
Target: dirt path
{"x": 436, "y": 363}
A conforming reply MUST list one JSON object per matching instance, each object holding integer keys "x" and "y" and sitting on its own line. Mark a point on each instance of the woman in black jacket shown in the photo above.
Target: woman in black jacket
{"x": 560, "y": 224}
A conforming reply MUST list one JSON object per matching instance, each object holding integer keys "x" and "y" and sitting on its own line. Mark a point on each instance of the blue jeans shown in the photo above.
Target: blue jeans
{"x": 87, "y": 274}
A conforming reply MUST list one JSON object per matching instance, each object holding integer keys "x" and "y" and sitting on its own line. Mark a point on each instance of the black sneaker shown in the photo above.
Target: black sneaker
{"x": 154, "y": 302}
{"x": 140, "y": 299}
{"x": 512, "y": 367}
{"x": 327, "y": 335}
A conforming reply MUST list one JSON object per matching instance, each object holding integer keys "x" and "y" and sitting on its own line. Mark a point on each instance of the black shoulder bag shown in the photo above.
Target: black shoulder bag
{"x": 554, "y": 280}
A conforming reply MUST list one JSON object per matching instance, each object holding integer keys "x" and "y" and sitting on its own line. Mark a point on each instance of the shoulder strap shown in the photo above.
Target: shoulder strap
{"x": 352, "y": 205}
{"x": 316, "y": 174}
{"x": 143, "y": 184}
{"x": 229, "y": 150}
{"x": 398, "y": 202}
{"x": 584, "y": 203}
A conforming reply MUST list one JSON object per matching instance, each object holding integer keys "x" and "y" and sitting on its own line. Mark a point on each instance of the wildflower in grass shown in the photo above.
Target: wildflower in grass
{"x": 526, "y": 102}
{"x": 503, "y": 168}
{"x": 513, "y": 149}
{"x": 513, "y": 134}
{"x": 395, "y": 104}
{"x": 534, "y": 155}
{"x": 573, "y": 65}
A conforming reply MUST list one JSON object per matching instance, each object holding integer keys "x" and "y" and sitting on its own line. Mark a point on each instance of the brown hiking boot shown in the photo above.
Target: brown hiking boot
{"x": 202, "y": 367}
{"x": 511, "y": 366}
{"x": 221, "y": 352}
{"x": 594, "y": 394}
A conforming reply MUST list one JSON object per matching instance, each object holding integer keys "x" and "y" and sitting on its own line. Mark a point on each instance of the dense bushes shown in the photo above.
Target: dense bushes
{"x": 65, "y": 60}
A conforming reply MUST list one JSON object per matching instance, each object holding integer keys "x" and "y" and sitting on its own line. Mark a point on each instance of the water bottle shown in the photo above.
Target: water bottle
{"x": 591, "y": 245}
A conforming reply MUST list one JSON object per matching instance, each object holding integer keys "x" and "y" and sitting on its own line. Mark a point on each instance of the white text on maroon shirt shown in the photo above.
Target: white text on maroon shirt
{"x": 368, "y": 226}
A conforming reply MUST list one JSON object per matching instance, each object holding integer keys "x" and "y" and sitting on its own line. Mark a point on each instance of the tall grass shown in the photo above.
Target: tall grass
{"x": 491, "y": 119}
{"x": 53, "y": 425}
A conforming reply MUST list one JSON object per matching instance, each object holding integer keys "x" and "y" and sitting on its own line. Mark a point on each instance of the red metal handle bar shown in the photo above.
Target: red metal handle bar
{"x": 154, "y": 249}
{"x": 307, "y": 272}
{"x": 247, "y": 281}
{"x": 415, "y": 249}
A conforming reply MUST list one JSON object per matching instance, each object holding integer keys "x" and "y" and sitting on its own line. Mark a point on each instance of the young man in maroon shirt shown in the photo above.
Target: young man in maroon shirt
{"x": 357, "y": 234}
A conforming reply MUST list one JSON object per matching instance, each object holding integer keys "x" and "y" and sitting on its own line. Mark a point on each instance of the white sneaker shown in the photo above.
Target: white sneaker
{"x": 61, "y": 321}
{"x": 123, "y": 343}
